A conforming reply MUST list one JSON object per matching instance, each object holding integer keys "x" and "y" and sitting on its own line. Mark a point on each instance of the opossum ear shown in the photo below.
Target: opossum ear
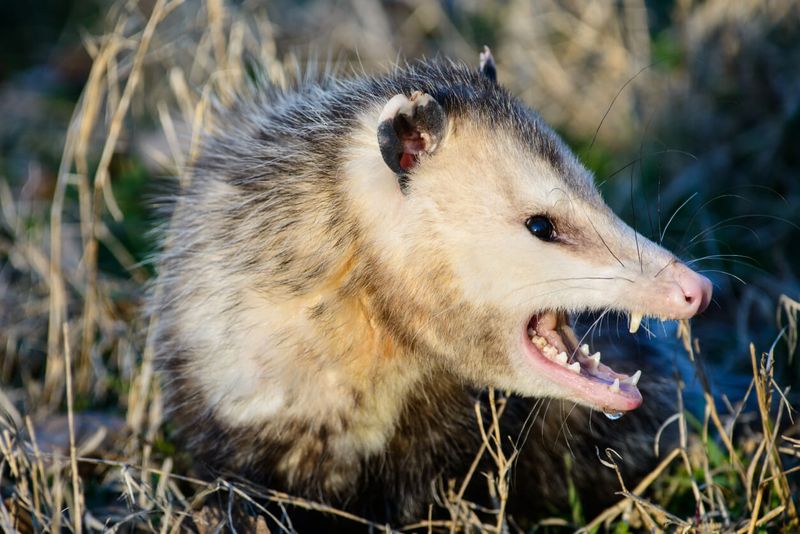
{"x": 408, "y": 127}
{"x": 488, "y": 67}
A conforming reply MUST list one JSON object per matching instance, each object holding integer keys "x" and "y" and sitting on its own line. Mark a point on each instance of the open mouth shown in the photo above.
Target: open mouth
{"x": 559, "y": 356}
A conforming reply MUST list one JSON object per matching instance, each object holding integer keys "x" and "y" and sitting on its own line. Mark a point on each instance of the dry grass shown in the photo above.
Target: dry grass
{"x": 74, "y": 342}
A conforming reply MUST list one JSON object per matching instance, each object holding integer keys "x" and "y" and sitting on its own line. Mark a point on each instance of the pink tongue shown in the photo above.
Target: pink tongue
{"x": 601, "y": 373}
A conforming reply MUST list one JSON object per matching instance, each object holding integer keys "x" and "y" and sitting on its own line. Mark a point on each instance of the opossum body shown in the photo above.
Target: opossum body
{"x": 354, "y": 260}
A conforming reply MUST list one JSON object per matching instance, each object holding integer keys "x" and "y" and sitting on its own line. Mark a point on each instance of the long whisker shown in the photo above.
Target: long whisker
{"x": 533, "y": 414}
{"x": 717, "y": 240}
{"x": 672, "y": 218}
{"x": 721, "y": 256}
{"x": 640, "y": 158}
{"x": 658, "y": 204}
{"x": 740, "y": 217}
{"x": 724, "y": 226}
{"x": 604, "y": 243}
{"x": 529, "y": 420}
{"x": 754, "y": 266}
{"x": 611, "y": 105}
{"x": 544, "y": 416}
{"x": 633, "y": 216}
{"x": 763, "y": 187}
{"x": 670, "y": 262}
{"x": 589, "y": 330}
{"x": 703, "y": 206}
{"x": 561, "y": 429}
{"x": 723, "y": 272}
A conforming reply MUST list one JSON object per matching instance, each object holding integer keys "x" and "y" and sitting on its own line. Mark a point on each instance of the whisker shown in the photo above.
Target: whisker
{"x": 544, "y": 416}
{"x": 633, "y": 216}
{"x": 564, "y": 421}
{"x": 693, "y": 243}
{"x": 670, "y": 262}
{"x": 753, "y": 266}
{"x": 720, "y": 256}
{"x": 740, "y": 217}
{"x": 533, "y": 414}
{"x": 672, "y": 218}
{"x": 589, "y": 330}
{"x": 723, "y": 272}
{"x": 611, "y": 105}
{"x": 704, "y": 205}
{"x": 604, "y": 243}
{"x": 529, "y": 421}
{"x": 763, "y": 187}
{"x": 640, "y": 158}
{"x": 650, "y": 333}
{"x": 718, "y": 240}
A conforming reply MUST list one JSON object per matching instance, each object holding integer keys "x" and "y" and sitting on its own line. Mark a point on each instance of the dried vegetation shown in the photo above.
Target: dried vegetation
{"x": 83, "y": 445}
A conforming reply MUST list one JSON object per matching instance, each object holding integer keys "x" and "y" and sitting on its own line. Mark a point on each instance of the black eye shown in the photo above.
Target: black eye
{"x": 541, "y": 227}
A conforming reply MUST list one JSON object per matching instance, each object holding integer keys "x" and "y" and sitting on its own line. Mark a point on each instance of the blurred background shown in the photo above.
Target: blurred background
{"x": 688, "y": 112}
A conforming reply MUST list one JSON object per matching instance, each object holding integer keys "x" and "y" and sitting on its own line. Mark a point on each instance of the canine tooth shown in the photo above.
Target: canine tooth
{"x": 615, "y": 386}
{"x": 561, "y": 358}
{"x": 633, "y": 380}
{"x": 585, "y": 349}
{"x": 594, "y": 360}
{"x": 635, "y": 321}
{"x": 575, "y": 367}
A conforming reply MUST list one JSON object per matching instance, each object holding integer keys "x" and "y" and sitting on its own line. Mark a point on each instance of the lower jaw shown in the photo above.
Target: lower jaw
{"x": 553, "y": 350}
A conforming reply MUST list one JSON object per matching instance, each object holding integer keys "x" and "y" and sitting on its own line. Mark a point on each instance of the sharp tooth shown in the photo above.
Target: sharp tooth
{"x": 561, "y": 358}
{"x": 575, "y": 367}
{"x": 635, "y": 321}
{"x": 633, "y": 380}
{"x": 594, "y": 360}
{"x": 549, "y": 351}
{"x": 615, "y": 386}
{"x": 585, "y": 349}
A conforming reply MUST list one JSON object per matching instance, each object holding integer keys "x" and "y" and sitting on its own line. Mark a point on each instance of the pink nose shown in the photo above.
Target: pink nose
{"x": 695, "y": 291}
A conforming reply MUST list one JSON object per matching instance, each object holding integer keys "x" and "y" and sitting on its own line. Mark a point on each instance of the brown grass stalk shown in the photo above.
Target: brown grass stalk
{"x": 77, "y": 514}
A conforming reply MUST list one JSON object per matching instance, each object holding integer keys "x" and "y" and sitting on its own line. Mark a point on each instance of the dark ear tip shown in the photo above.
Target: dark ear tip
{"x": 487, "y": 66}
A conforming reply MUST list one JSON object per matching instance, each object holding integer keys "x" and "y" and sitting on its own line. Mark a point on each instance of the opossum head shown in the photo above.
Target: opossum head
{"x": 497, "y": 235}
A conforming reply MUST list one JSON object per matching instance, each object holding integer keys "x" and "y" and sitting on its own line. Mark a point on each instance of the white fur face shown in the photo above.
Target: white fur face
{"x": 466, "y": 208}
{"x": 478, "y": 201}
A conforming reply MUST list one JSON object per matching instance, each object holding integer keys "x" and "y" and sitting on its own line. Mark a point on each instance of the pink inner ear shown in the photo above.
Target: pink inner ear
{"x": 407, "y": 161}
{"x": 413, "y": 144}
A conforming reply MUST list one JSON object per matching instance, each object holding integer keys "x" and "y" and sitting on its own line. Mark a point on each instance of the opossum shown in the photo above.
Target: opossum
{"x": 352, "y": 264}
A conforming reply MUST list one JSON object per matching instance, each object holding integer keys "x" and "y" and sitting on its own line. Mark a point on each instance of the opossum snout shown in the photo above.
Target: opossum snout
{"x": 691, "y": 292}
